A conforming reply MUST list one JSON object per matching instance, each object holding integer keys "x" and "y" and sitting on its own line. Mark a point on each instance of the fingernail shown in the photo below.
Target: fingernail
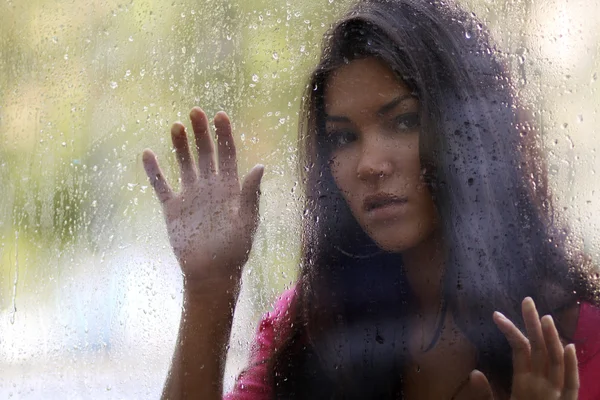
{"x": 548, "y": 318}
{"x": 220, "y": 116}
{"x": 500, "y": 315}
{"x": 529, "y": 300}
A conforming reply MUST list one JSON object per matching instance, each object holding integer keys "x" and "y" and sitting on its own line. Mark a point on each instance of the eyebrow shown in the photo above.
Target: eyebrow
{"x": 382, "y": 111}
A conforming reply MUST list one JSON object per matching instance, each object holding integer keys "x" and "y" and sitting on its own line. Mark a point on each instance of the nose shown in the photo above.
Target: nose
{"x": 375, "y": 161}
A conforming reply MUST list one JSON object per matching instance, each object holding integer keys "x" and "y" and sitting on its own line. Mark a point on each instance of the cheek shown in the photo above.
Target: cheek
{"x": 341, "y": 171}
{"x": 428, "y": 211}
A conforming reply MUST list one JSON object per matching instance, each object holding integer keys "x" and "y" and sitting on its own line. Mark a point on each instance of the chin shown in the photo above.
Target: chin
{"x": 398, "y": 240}
{"x": 395, "y": 243}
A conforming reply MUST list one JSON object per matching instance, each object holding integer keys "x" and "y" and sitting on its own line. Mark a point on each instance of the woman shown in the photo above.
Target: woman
{"x": 429, "y": 215}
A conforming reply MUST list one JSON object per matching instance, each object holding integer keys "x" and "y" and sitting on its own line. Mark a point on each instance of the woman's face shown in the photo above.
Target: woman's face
{"x": 372, "y": 129}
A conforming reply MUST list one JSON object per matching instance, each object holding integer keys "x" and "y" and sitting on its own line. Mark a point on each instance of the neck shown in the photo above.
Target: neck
{"x": 424, "y": 266}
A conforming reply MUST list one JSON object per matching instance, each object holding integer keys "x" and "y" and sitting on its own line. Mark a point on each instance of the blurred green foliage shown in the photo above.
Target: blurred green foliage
{"x": 85, "y": 86}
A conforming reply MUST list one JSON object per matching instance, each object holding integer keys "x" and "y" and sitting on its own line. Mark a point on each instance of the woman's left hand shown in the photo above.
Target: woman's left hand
{"x": 542, "y": 367}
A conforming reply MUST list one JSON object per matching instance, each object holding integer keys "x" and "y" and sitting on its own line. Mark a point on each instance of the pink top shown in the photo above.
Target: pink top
{"x": 253, "y": 383}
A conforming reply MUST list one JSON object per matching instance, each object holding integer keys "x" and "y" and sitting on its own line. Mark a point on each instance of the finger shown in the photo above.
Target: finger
{"x": 518, "y": 342}
{"x": 184, "y": 156}
{"x": 204, "y": 143}
{"x": 477, "y": 387}
{"x": 555, "y": 350}
{"x": 226, "y": 147}
{"x": 251, "y": 194}
{"x": 539, "y": 354}
{"x": 156, "y": 177}
{"x": 571, "y": 388}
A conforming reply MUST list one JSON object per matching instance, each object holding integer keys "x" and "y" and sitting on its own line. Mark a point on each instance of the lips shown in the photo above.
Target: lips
{"x": 380, "y": 200}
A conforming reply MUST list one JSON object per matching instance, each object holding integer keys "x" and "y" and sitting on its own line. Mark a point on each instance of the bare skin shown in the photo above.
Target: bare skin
{"x": 211, "y": 224}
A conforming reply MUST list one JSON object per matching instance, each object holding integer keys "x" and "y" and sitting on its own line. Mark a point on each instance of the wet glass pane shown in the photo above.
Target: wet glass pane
{"x": 91, "y": 292}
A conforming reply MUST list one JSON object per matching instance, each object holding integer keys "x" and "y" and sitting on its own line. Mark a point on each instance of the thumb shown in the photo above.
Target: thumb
{"x": 477, "y": 387}
{"x": 250, "y": 195}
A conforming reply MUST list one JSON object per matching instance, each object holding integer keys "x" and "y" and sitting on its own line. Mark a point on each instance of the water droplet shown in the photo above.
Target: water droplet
{"x": 275, "y": 56}
{"x": 468, "y": 34}
{"x": 580, "y": 118}
{"x": 565, "y": 125}
{"x": 254, "y": 78}
{"x": 131, "y": 38}
{"x": 142, "y": 72}
{"x": 114, "y": 85}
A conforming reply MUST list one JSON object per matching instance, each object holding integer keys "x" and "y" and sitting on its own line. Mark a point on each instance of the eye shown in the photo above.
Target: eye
{"x": 406, "y": 122}
{"x": 339, "y": 138}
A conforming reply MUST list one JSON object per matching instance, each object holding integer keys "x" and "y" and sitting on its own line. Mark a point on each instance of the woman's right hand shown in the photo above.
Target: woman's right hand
{"x": 211, "y": 222}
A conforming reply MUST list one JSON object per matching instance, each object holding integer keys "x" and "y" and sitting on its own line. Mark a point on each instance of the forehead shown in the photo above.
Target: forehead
{"x": 362, "y": 85}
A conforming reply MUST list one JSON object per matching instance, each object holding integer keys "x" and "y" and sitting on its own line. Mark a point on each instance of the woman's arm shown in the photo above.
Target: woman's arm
{"x": 197, "y": 367}
{"x": 211, "y": 223}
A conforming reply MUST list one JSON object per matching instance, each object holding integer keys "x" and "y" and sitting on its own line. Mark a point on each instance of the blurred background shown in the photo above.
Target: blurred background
{"x": 90, "y": 292}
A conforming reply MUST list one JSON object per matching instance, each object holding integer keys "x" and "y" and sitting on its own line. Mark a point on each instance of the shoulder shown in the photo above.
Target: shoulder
{"x": 587, "y": 344}
{"x": 587, "y": 334}
{"x": 254, "y": 383}
{"x": 276, "y": 324}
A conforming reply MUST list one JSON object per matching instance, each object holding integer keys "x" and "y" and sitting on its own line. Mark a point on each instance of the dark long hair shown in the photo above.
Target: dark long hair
{"x": 483, "y": 165}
